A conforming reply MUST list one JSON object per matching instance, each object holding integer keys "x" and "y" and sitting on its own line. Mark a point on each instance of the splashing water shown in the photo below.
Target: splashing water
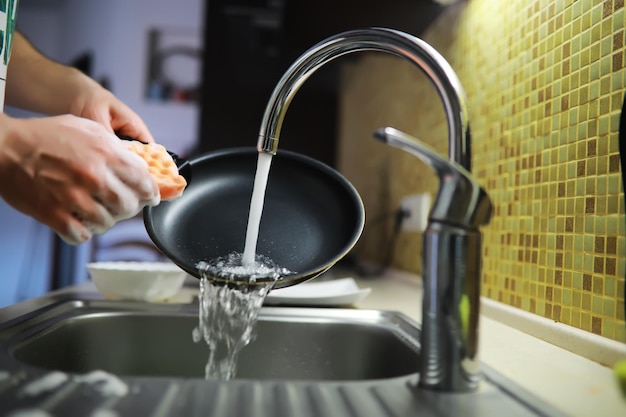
{"x": 228, "y": 314}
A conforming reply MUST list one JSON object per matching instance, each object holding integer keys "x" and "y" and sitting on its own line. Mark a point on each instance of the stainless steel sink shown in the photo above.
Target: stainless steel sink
{"x": 294, "y": 344}
{"x": 305, "y": 362}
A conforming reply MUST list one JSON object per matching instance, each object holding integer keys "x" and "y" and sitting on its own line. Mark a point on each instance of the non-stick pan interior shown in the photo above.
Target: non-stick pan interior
{"x": 312, "y": 215}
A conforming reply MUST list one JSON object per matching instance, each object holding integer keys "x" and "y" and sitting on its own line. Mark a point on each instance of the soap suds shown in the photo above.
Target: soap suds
{"x": 30, "y": 412}
{"x": 47, "y": 383}
{"x": 103, "y": 412}
{"x": 107, "y": 384}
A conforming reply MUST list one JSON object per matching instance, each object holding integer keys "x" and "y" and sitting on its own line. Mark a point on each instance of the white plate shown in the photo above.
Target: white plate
{"x": 337, "y": 292}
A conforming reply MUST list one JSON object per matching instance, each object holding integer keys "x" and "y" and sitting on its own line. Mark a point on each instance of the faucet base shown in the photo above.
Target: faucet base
{"x": 451, "y": 274}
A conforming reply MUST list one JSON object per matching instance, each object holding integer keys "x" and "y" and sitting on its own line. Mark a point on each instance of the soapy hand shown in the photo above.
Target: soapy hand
{"x": 71, "y": 174}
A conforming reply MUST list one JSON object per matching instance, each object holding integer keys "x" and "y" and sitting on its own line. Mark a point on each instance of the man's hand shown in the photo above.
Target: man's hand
{"x": 95, "y": 103}
{"x": 72, "y": 174}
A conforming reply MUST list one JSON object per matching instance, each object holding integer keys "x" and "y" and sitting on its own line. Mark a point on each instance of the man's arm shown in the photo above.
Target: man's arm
{"x": 36, "y": 83}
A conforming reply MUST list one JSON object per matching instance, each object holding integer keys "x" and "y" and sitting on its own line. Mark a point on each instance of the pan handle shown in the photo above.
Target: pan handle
{"x": 184, "y": 167}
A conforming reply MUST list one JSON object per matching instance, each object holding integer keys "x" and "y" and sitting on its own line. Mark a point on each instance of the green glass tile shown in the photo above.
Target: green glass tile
{"x": 596, "y": 305}
{"x": 608, "y": 307}
{"x": 608, "y": 328}
{"x": 620, "y": 332}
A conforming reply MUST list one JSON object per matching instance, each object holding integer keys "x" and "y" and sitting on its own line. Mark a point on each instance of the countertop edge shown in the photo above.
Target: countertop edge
{"x": 597, "y": 348}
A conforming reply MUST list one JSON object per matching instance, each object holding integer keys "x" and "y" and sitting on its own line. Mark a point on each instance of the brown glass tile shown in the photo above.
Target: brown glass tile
{"x": 607, "y": 8}
{"x": 556, "y": 313}
{"x": 587, "y": 282}
{"x": 591, "y": 147}
{"x": 558, "y": 260}
{"x": 618, "y": 40}
{"x": 610, "y": 266}
{"x": 611, "y": 245}
{"x": 599, "y": 244}
{"x": 558, "y": 277}
{"x": 580, "y": 168}
{"x": 618, "y": 61}
{"x": 596, "y": 325}
{"x": 549, "y": 293}
{"x": 618, "y": 4}
{"x": 598, "y": 264}
{"x": 569, "y": 224}
{"x": 566, "y": 49}
{"x": 590, "y": 203}
{"x": 614, "y": 163}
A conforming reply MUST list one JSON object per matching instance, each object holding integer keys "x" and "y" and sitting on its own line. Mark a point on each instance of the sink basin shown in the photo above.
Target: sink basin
{"x": 294, "y": 344}
{"x": 304, "y": 362}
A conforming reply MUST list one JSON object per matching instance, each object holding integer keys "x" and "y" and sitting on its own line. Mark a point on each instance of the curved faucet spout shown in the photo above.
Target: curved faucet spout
{"x": 452, "y": 241}
{"x": 391, "y": 41}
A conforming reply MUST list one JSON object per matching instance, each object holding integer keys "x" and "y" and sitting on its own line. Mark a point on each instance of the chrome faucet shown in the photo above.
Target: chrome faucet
{"x": 452, "y": 241}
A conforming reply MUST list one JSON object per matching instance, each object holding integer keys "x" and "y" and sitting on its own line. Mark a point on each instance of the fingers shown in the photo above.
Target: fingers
{"x": 124, "y": 196}
{"x": 68, "y": 227}
{"x": 81, "y": 217}
{"x": 100, "y": 105}
{"x": 132, "y": 173}
{"x": 136, "y": 130}
{"x": 126, "y": 122}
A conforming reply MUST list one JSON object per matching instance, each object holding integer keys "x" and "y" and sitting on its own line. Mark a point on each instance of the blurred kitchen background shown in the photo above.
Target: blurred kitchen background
{"x": 545, "y": 82}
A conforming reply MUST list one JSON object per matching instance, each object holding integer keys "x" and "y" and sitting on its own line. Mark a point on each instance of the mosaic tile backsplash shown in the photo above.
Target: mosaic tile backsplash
{"x": 545, "y": 80}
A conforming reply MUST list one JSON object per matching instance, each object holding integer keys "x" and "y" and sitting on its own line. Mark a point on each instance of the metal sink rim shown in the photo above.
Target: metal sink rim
{"x": 394, "y": 326}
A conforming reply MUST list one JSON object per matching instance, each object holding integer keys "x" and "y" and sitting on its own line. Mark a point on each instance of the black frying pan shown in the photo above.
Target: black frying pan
{"x": 312, "y": 215}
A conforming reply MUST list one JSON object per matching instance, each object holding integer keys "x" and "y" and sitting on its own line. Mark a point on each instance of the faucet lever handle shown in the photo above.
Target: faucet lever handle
{"x": 460, "y": 200}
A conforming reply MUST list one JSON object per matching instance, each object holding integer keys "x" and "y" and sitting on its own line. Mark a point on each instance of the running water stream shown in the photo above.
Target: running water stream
{"x": 256, "y": 207}
{"x": 228, "y": 312}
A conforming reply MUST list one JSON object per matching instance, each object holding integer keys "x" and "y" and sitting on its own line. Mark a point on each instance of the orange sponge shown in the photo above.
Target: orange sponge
{"x": 162, "y": 167}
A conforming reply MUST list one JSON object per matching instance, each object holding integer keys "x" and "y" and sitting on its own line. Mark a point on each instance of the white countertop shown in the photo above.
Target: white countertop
{"x": 572, "y": 383}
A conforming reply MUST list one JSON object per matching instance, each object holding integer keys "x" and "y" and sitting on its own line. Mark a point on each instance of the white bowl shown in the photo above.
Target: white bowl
{"x": 145, "y": 281}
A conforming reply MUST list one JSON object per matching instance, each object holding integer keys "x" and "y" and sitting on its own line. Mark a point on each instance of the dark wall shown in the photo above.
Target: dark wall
{"x": 250, "y": 43}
